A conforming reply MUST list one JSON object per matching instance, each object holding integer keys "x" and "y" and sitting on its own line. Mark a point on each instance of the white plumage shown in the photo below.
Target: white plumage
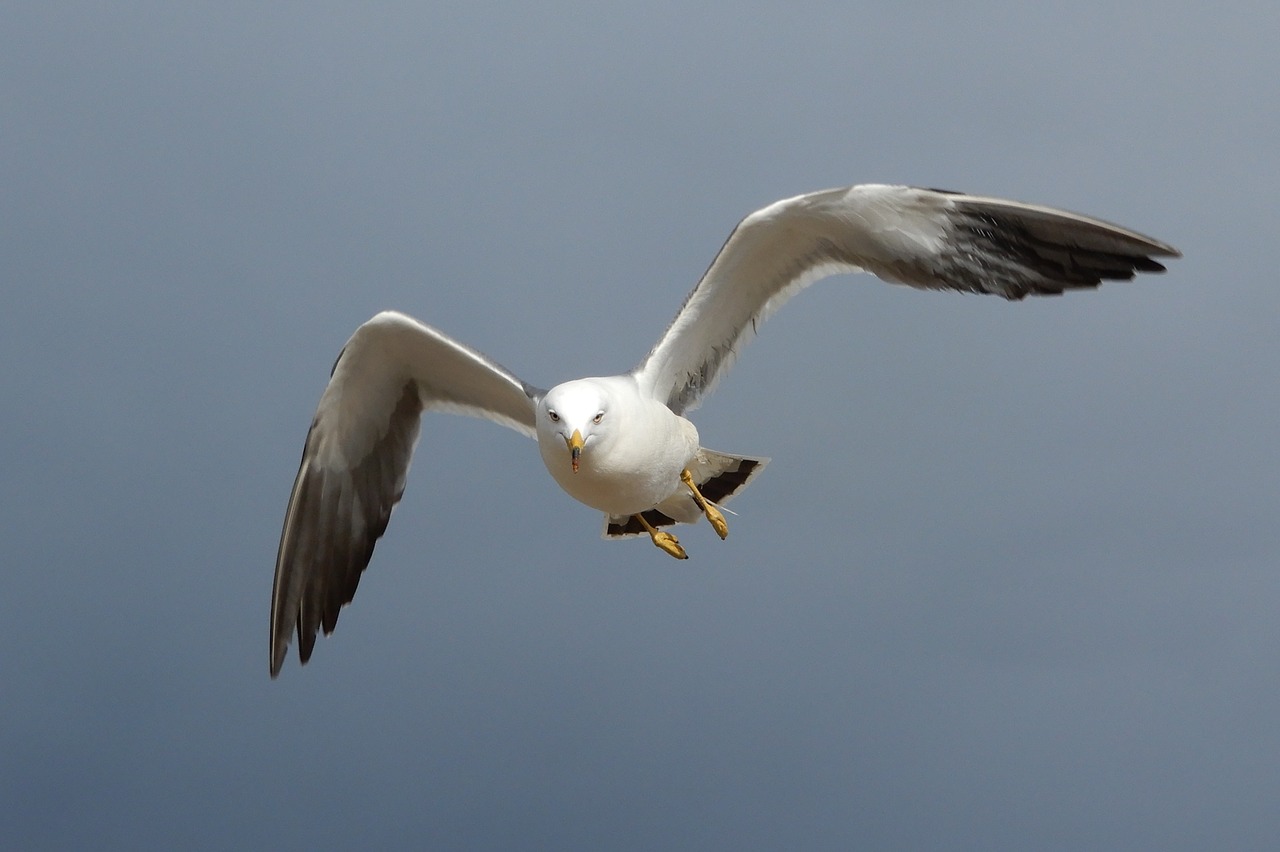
{"x": 620, "y": 444}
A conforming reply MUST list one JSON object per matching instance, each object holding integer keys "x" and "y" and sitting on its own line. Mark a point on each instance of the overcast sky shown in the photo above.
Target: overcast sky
{"x": 1009, "y": 582}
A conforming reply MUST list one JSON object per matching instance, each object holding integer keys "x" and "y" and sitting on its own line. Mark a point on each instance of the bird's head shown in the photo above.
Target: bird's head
{"x": 575, "y": 415}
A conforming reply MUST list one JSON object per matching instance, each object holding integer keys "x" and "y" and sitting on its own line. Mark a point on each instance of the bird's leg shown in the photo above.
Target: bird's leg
{"x": 664, "y": 540}
{"x": 713, "y": 514}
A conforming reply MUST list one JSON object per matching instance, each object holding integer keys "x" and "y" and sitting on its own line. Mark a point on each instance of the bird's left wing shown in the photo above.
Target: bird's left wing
{"x": 925, "y": 238}
{"x": 356, "y": 458}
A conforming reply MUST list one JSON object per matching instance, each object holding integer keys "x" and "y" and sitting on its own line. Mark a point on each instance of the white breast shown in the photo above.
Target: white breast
{"x": 631, "y": 466}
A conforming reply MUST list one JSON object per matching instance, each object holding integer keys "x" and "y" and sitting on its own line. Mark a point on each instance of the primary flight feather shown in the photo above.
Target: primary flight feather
{"x": 621, "y": 444}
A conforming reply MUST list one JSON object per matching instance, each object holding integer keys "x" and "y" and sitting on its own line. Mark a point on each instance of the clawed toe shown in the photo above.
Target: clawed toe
{"x": 670, "y": 544}
{"x": 713, "y": 514}
{"x": 665, "y": 540}
{"x": 717, "y": 522}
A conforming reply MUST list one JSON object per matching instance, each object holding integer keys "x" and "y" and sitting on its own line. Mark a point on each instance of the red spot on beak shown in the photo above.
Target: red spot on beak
{"x": 575, "y": 443}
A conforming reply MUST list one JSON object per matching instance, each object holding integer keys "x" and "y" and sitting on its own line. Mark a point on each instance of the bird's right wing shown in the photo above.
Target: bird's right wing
{"x": 356, "y": 458}
{"x": 926, "y": 238}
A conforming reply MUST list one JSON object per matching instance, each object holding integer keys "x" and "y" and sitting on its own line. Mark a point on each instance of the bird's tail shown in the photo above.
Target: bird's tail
{"x": 719, "y": 477}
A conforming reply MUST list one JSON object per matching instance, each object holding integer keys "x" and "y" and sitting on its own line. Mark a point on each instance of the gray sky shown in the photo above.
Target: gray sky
{"x": 1010, "y": 581}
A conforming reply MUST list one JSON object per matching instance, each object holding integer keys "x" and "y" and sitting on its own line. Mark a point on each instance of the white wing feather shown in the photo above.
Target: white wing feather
{"x": 925, "y": 238}
{"x": 357, "y": 455}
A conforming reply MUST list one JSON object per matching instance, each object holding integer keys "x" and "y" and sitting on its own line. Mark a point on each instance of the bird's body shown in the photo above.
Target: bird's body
{"x": 622, "y": 444}
{"x": 632, "y": 464}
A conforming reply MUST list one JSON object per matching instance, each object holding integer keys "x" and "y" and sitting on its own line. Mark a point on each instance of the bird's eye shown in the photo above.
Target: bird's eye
{"x": 598, "y": 417}
{"x": 555, "y": 418}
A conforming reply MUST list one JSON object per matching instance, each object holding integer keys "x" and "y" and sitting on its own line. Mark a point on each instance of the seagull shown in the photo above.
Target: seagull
{"x": 622, "y": 444}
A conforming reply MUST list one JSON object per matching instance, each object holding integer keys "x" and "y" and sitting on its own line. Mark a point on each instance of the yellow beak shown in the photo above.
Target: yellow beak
{"x": 575, "y": 443}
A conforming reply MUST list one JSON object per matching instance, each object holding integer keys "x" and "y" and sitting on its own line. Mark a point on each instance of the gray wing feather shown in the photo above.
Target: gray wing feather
{"x": 930, "y": 239}
{"x": 356, "y": 459}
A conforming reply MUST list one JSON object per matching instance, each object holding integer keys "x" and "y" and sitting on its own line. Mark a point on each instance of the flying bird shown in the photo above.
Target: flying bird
{"x": 622, "y": 444}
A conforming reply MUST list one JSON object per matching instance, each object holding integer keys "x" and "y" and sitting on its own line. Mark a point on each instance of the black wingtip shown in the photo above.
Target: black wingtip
{"x": 275, "y": 660}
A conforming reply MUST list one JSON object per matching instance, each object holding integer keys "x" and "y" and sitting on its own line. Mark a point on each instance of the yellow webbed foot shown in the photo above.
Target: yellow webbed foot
{"x": 717, "y": 521}
{"x": 664, "y": 540}
{"x": 670, "y": 544}
{"x": 714, "y": 515}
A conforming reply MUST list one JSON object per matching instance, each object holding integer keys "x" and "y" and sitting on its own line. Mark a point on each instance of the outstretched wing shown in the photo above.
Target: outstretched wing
{"x": 357, "y": 455}
{"x": 931, "y": 239}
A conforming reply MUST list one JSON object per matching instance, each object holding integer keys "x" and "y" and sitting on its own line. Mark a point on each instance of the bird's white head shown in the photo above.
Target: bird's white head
{"x": 572, "y": 419}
